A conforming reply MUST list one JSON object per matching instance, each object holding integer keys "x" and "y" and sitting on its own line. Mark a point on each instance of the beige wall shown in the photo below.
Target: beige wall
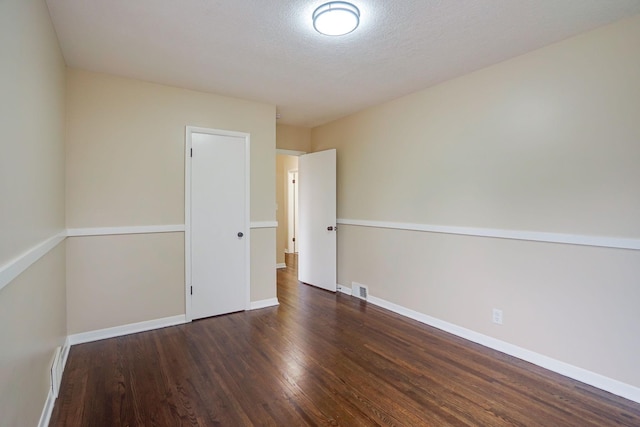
{"x": 545, "y": 142}
{"x": 32, "y": 84}
{"x": 32, "y": 306}
{"x": 293, "y": 138}
{"x": 145, "y": 279}
{"x": 284, "y": 164}
{"x": 125, "y": 167}
{"x": 125, "y": 149}
{"x": 263, "y": 258}
{"x": 32, "y": 325}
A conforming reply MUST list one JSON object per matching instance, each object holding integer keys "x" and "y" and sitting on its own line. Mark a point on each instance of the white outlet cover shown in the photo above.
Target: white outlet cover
{"x": 497, "y": 316}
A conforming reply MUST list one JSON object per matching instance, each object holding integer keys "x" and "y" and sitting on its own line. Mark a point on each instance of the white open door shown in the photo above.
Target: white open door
{"x": 317, "y": 219}
{"x": 217, "y": 223}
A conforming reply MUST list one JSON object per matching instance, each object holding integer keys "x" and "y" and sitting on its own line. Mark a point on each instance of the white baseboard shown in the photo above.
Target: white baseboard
{"x": 58, "y": 368}
{"x": 344, "y": 289}
{"x": 591, "y": 378}
{"x": 99, "y": 335}
{"x": 47, "y": 410}
{"x": 255, "y": 305}
{"x": 131, "y": 328}
{"x": 65, "y": 353}
{"x": 281, "y": 265}
{"x": 45, "y": 416}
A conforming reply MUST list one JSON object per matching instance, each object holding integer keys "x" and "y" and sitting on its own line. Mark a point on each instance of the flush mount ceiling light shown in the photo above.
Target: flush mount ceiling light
{"x": 336, "y": 18}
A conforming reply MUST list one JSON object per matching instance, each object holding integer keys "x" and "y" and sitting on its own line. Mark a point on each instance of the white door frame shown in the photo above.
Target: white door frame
{"x": 187, "y": 211}
{"x": 294, "y": 153}
{"x": 292, "y": 209}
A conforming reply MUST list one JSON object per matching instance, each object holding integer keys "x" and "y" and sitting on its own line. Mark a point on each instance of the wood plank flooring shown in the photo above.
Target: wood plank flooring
{"x": 318, "y": 359}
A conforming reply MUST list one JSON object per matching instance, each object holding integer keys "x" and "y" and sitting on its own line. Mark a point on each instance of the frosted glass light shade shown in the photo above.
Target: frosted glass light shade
{"x": 336, "y": 18}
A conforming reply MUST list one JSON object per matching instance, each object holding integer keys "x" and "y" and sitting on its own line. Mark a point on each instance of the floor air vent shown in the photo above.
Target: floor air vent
{"x": 359, "y": 290}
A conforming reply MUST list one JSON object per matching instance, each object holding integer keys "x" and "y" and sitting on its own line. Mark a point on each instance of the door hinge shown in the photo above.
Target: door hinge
{"x": 293, "y": 182}
{"x": 191, "y": 290}
{"x": 294, "y": 239}
{"x": 191, "y": 153}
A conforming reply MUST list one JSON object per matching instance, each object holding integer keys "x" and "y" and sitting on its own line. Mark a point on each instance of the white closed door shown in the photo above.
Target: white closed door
{"x": 317, "y": 219}
{"x": 218, "y": 225}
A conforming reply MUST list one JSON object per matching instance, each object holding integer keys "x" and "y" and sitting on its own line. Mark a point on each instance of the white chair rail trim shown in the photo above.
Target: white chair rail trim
{"x": 14, "y": 267}
{"x": 264, "y": 224}
{"x": 136, "y": 229}
{"x": 534, "y": 236}
{"x": 11, "y": 269}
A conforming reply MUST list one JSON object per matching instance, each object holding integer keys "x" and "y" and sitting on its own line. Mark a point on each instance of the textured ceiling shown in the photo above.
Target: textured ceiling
{"x": 267, "y": 50}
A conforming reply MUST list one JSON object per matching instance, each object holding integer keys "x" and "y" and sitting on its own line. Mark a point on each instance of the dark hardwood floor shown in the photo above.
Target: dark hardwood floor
{"x": 318, "y": 359}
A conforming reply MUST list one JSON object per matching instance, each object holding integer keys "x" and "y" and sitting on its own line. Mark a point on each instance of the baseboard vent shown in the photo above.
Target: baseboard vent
{"x": 56, "y": 372}
{"x": 359, "y": 290}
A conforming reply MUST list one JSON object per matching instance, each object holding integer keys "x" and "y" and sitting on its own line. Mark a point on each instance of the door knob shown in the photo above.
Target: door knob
{"x": 240, "y": 234}
{"x": 330, "y": 228}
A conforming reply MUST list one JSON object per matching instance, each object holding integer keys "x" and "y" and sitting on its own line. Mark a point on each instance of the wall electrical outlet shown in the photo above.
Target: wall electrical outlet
{"x": 497, "y": 316}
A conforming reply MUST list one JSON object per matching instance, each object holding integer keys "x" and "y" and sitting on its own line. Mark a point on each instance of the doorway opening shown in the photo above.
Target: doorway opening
{"x": 286, "y": 206}
{"x": 314, "y": 197}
